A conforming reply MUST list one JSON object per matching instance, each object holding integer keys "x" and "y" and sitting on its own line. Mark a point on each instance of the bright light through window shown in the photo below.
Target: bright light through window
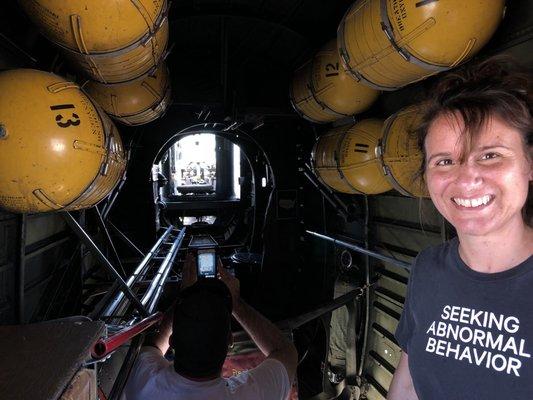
{"x": 207, "y": 219}
{"x": 236, "y": 171}
{"x": 193, "y": 167}
{"x": 195, "y": 164}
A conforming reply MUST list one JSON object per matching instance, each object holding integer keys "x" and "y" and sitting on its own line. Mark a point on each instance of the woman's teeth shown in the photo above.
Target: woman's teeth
{"x": 472, "y": 202}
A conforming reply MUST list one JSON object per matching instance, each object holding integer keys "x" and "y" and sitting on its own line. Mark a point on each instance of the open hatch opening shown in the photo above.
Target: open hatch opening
{"x": 203, "y": 165}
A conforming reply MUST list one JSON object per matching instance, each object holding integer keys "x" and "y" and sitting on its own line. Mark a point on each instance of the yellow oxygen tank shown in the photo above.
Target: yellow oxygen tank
{"x": 136, "y": 102}
{"x": 110, "y": 40}
{"x": 391, "y": 43}
{"x": 399, "y": 154}
{"x": 334, "y": 88}
{"x": 302, "y": 99}
{"x": 59, "y": 150}
{"x": 346, "y": 159}
{"x": 324, "y": 92}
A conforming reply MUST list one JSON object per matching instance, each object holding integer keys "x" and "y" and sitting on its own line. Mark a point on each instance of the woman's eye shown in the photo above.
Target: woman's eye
{"x": 489, "y": 156}
{"x": 444, "y": 162}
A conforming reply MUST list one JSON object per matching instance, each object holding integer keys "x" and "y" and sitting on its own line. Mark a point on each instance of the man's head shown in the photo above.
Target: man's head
{"x": 202, "y": 329}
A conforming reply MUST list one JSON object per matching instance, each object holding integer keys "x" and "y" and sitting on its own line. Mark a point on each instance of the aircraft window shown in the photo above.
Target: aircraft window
{"x": 195, "y": 161}
{"x": 206, "y": 219}
{"x": 236, "y": 171}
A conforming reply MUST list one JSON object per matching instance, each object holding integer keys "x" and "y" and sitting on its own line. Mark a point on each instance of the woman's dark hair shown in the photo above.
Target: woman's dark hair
{"x": 496, "y": 87}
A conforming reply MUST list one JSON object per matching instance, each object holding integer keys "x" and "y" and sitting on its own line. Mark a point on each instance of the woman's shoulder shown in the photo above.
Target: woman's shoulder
{"x": 436, "y": 257}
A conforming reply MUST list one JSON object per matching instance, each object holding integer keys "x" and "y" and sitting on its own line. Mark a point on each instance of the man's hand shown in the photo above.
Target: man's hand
{"x": 232, "y": 283}
{"x": 268, "y": 338}
{"x": 188, "y": 273}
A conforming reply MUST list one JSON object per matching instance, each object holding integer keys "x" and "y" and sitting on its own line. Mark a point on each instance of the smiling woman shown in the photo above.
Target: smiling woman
{"x": 484, "y": 190}
{"x": 480, "y": 106}
{"x": 476, "y": 139}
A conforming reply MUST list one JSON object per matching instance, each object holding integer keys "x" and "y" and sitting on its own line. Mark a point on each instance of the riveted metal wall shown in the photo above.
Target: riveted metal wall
{"x": 399, "y": 227}
{"x": 8, "y": 260}
{"x": 35, "y": 253}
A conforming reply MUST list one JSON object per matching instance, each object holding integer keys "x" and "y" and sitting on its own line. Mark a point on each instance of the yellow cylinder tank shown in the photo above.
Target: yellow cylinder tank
{"x": 324, "y": 92}
{"x": 110, "y": 40}
{"x": 399, "y": 154}
{"x": 59, "y": 150}
{"x": 302, "y": 99}
{"x": 346, "y": 159}
{"x": 391, "y": 43}
{"x": 136, "y": 102}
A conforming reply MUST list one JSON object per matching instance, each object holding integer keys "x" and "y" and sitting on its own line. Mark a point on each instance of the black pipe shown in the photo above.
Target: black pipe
{"x": 293, "y": 323}
{"x": 367, "y": 294}
{"x": 86, "y": 239}
{"x": 113, "y": 197}
{"x": 296, "y": 322}
{"x": 337, "y": 208}
{"x": 125, "y": 239}
{"x": 345, "y": 211}
{"x": 352, "y": 246}
{"x": 107, "y": 236}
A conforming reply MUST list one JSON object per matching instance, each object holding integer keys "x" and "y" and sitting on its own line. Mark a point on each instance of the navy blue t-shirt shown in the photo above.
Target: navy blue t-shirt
{"x": 469, "y": 335}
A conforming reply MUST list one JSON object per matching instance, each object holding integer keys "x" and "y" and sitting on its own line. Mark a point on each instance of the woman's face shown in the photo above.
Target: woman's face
{"x": 485, "y": 192}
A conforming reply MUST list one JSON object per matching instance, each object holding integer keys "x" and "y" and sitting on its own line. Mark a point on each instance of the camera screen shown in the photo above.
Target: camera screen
{"x": 206, "y": 264}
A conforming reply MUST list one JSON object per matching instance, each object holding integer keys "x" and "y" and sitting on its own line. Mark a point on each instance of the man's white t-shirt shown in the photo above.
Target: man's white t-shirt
{"x": 153, "y": 377}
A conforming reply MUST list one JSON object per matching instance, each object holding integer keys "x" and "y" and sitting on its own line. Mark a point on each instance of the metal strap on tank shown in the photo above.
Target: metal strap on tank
{"x": 381, "y": 149}
{"x": 324, "y": 107}
{"x": 313, "y": 91}
{"x": 151, "y": 107}
{"x": 105, "y": 164}
{"x": 145, "y": 14}
{"x": 404, "y": 53}
{"x": 142, "y": 41}
{"x": 59, "y": 86}
{"x": 152, "y": 37}
{"x": 114, "y": 105}
{"x": 47, "y": 201}
{"x": 313, "y": 163}
{"x": 345, "y": 57}
{"x": 295, "y": 107}
{"x": 75, "y": 25}
{"x": 340, "y": 38}
{"x": 165, "y": 98}
{"x": 336, "y": 158}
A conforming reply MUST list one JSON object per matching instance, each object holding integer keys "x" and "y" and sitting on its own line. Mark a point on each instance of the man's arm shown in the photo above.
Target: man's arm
{"x": 160, "y": 338}
{"x": 269, "y": 339}
{"x": 401, "y": 387}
